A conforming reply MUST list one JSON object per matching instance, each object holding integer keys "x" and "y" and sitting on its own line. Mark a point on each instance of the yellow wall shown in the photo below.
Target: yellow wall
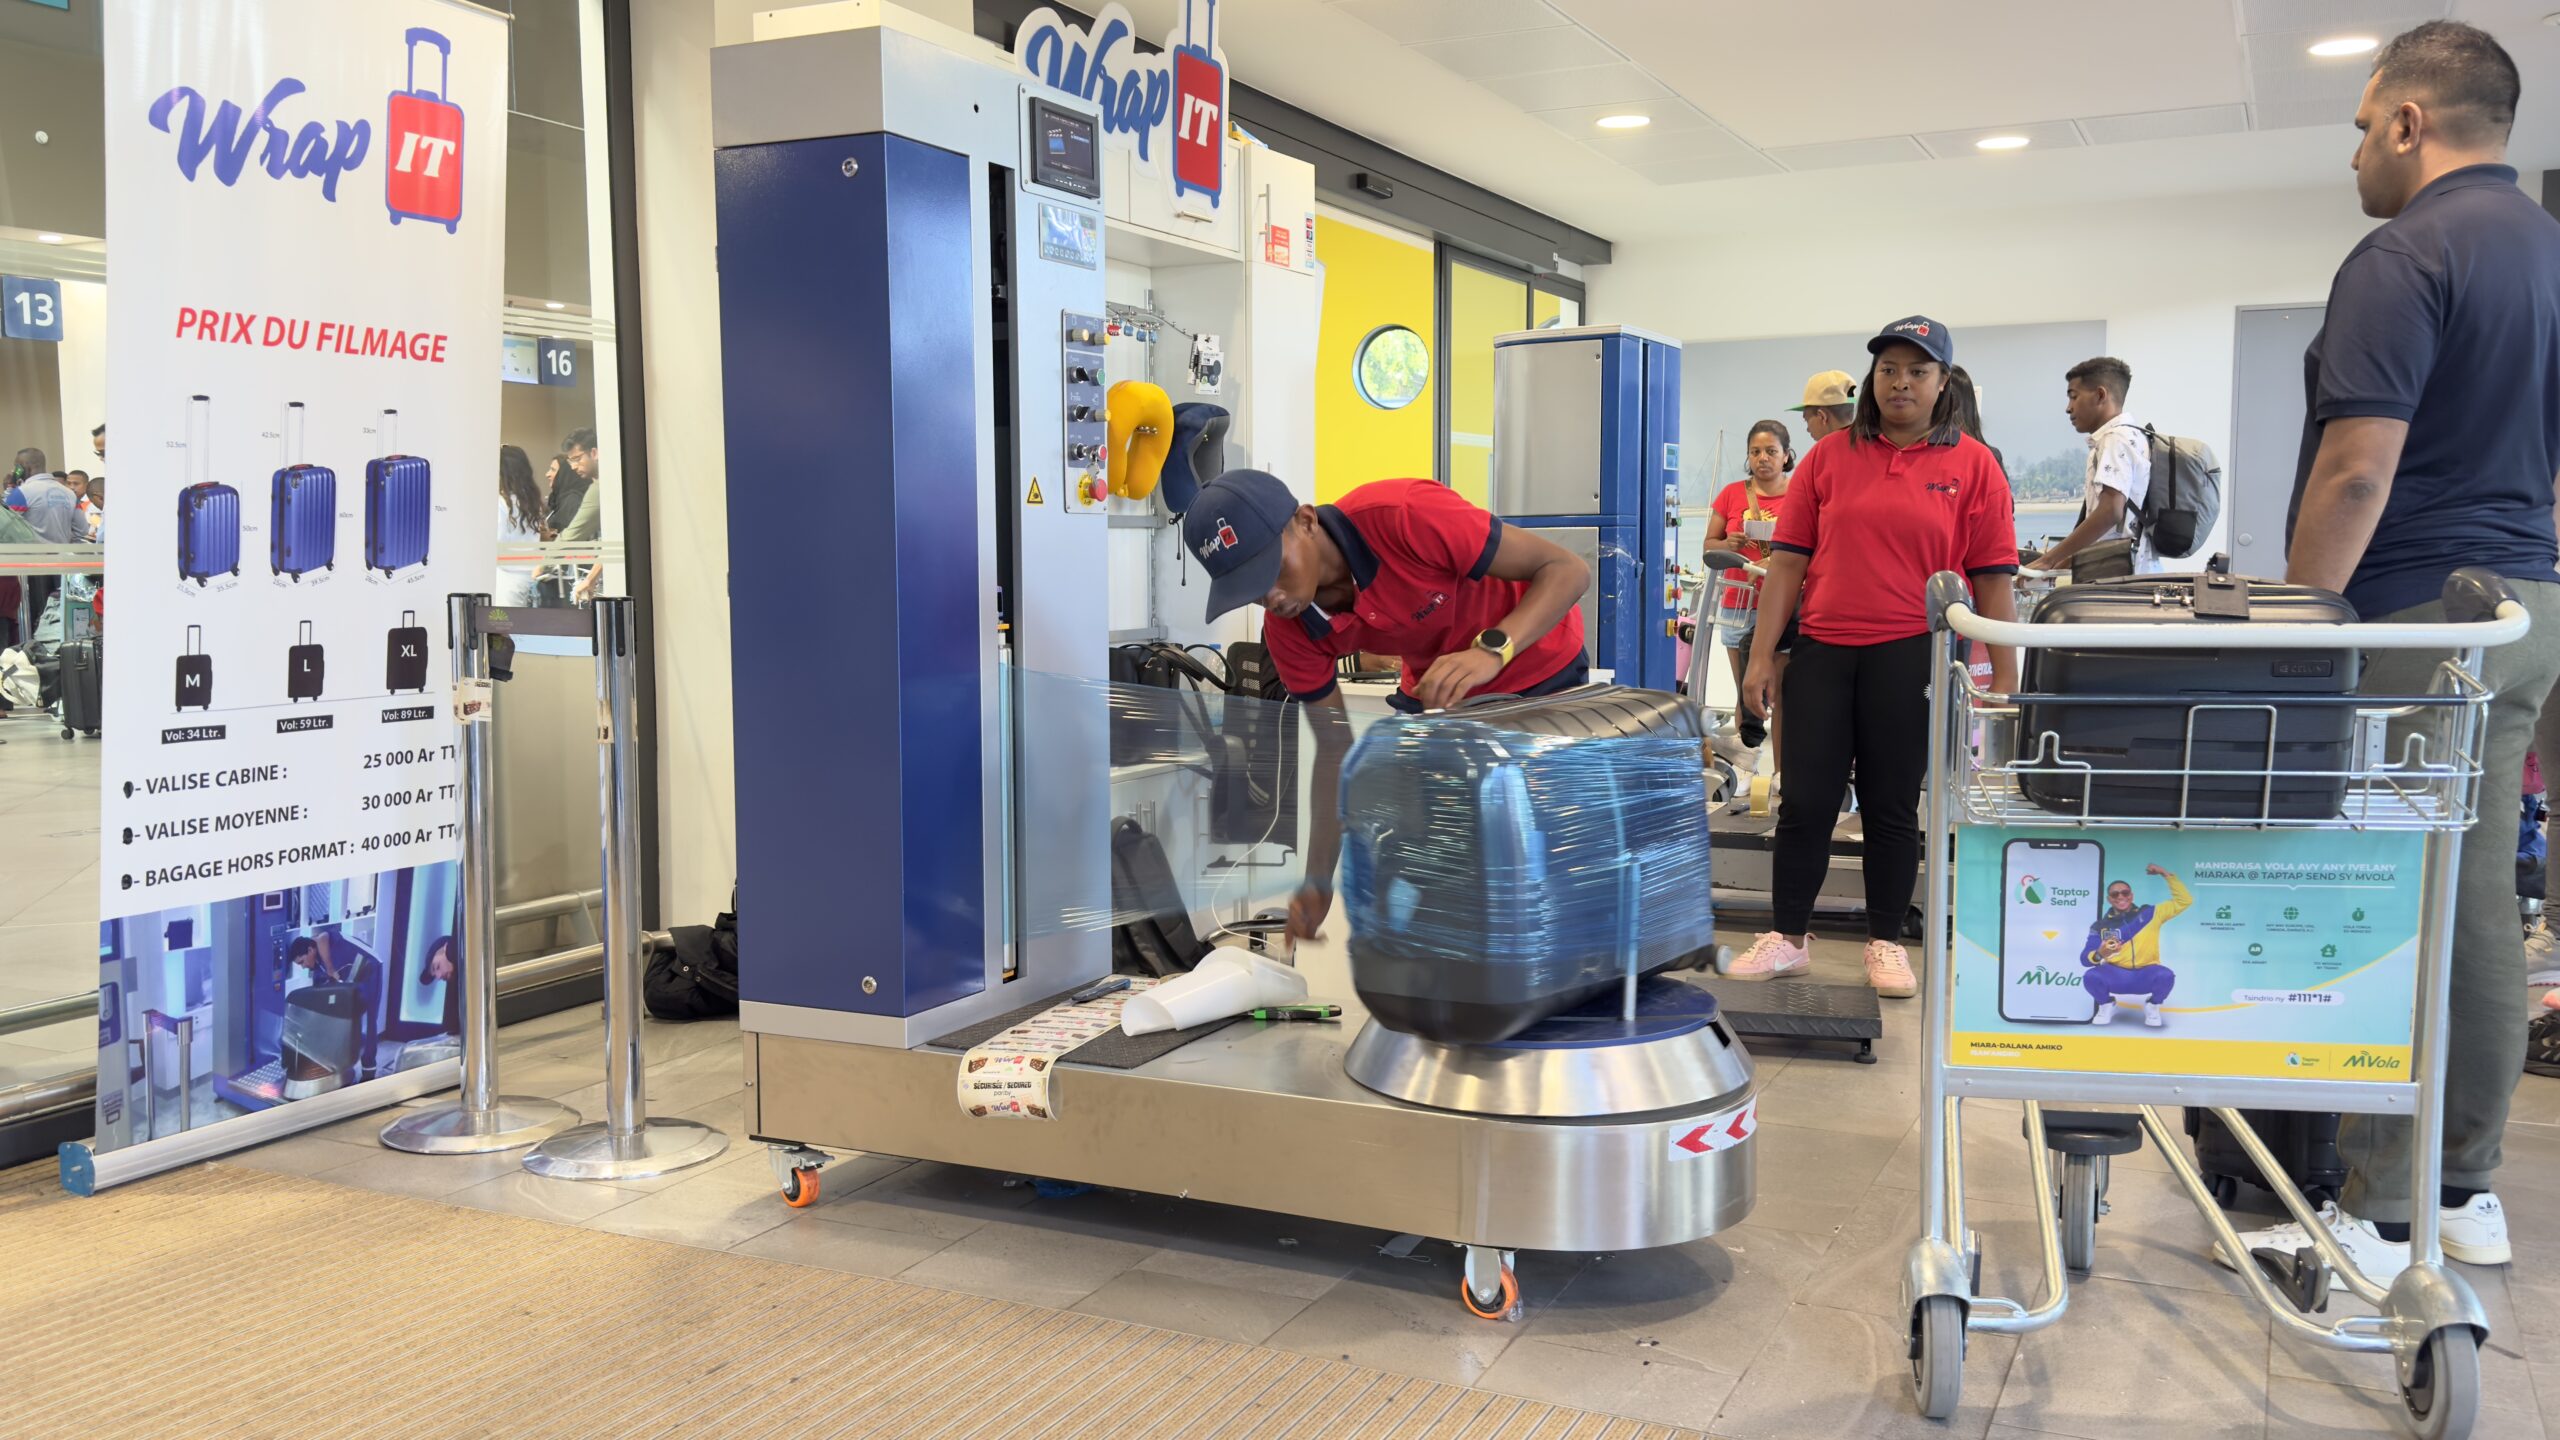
{"x": 1369, "y": 280}
{"x": 1481, "y": 306}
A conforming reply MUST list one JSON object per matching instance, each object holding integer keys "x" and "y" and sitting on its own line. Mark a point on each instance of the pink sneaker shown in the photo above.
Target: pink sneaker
{"x": 1769, "y": 957}
{"x": 1889, "y": 970}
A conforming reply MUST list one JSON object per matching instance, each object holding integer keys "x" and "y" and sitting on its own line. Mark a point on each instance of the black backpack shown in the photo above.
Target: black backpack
{"x": 2184, "y": 498}
{"x": 696, "y": 976}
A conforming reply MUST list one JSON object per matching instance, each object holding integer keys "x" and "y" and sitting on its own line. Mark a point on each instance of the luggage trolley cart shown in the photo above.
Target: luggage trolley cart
{"x": 2411, "y": 786}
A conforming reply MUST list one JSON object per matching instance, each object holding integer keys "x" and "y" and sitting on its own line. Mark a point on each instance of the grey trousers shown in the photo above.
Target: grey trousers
{"x": 2485, "y": 1053}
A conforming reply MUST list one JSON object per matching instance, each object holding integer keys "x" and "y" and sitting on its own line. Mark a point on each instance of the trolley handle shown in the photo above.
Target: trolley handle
{"x": 2484, "y": 611}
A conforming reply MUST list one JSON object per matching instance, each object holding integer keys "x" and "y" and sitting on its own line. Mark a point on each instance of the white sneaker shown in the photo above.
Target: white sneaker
{"x": 1770, "y": 956}
{"x": 2151, "y": 1013}
{"x": 2106, "y": 1014}
{"x": 2476, "y": 1234}
{"x": 2541, "y": 956}
{"x": 2381, "y": 1260}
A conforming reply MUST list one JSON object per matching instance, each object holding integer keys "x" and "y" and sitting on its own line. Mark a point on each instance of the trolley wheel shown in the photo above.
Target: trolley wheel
{"x": 2443, "y": 1393}
{"x": 1937, "y": 1354}
{"x": 66, "y": 732}
{"x": 801, "y": 1190}
{"x": 2226, "y": 1190}
{"x": 2079, "y": 1203}
{"x": 1505, "y": 1306}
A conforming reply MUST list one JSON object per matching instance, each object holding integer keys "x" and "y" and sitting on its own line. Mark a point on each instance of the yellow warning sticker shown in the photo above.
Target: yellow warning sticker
{"x": 1034, "y": 497}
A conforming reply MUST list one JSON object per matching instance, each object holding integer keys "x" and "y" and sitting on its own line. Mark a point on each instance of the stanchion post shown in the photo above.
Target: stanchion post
{"x": 628, "y": 1145}
{"x": 482, "y": 1120}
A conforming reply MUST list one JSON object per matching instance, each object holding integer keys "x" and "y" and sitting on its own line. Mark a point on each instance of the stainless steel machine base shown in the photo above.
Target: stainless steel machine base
{"x": 512, "y": 1122}
{"x": 592, "y": 1152}
{"x": 1264, "y": 1116}
{"x": 1673, "y": 1072}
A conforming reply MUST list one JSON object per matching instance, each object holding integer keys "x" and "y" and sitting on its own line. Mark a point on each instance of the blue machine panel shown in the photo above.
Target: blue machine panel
{"x": 853, "y": 487}
{"x": 1632, "y": 427}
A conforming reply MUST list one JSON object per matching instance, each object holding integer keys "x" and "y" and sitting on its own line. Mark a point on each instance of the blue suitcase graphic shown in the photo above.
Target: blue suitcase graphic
{"x": 396, "y": 506}
{"x": 304, "y": 532}
{"x": 208, "y": 513}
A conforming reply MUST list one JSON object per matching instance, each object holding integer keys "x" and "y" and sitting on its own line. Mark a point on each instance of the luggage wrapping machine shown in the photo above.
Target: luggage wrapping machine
{"x": 911, "y": 289}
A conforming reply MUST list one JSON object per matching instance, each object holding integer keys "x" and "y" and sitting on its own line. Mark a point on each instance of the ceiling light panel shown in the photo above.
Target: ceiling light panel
{"x": 1654, "y": 146}
{"x": 1667, "y": 116}
{"x": 2051, "y": 135}
{"x": 2296, "y": 114}
{"x": 2282, "y": 68}
{"x": 1612, "y": 85}
{"x": 2165, "y": 124}
{"x": 1844, "y": 154}
{"x": 2385, "y": 18}
{"x": 1415, "y": 22}
{"x": 1521, "y": 52}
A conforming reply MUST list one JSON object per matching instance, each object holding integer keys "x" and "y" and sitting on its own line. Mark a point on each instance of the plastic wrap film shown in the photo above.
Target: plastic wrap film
{"x": 1508, "y": 861}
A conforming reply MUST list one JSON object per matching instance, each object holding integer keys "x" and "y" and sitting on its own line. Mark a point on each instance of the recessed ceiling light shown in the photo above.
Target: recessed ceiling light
{"x": 1624, "y": 122}
{"x": 2345, "y": 45}
{"x": 2001, "y": 142}
{"x": 48, "y": 239}
{"x": 553, "y": 305}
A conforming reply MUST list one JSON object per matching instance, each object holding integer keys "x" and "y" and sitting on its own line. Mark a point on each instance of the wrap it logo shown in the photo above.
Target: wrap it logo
{"x": 423, "y": 132}
{"x": 1913, "y": 327}
{"x": 1225, "y": 539}
{"x": 1151, "y": 105}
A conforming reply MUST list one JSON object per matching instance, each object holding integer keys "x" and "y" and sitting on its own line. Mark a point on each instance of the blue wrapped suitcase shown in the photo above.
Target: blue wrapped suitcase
{"x": 1500, "y": 861}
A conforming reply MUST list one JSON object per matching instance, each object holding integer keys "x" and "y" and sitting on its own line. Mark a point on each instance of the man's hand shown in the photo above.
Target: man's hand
{"x": 2049, "y": 560}
{"x": 586, "y": 590}
{"x": 1760, "y": 687}
{"x": 2153, "y": 870}
{"x": 2109, "y": 945}
{"x": 1455, "y": 676}
{"x": 1307, "y": 911}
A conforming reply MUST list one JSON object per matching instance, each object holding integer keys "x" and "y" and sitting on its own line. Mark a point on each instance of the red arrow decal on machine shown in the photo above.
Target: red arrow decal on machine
{"x": 1721, "y": 1133}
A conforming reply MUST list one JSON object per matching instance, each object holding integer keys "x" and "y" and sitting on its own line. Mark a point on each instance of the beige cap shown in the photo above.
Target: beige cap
{"x": 1831, "y": 387}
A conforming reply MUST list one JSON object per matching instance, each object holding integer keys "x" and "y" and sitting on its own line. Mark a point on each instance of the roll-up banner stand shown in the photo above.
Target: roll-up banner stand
{"x": 307, "y": 200}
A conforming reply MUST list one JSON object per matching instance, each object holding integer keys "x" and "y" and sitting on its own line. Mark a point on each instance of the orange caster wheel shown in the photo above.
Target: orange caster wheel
{"x": 1506, "y": 1306}
{"x": 801, "y": 1190}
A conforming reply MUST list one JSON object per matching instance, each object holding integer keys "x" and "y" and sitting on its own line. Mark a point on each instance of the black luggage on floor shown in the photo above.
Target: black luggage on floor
{"x": 2304, "y": 1142}
{"x": 1487, "y": 854}
{"x": 2312, "y": 741}
{"x": 83, "y": 679}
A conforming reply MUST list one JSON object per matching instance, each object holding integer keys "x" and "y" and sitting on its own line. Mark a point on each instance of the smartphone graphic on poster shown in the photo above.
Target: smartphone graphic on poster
{"x": 2050, "y": 894}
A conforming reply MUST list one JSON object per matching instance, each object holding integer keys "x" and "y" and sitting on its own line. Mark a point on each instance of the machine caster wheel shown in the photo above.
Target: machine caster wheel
{"x": 1937, "y": 1354}
{"x": 2079, "y": 1202}
{"x": 66, "y": 732}
{"x": 2443, "y": 1393}
{"x": 1502, "y": 1306}
{"x": 801, "y": 1190}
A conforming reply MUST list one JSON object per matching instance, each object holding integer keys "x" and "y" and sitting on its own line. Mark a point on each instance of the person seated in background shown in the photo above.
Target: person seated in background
{"x": 1408, "y": 567}
{"x": 2119, "y": 463}
{"x": 519, "y": 524}
{"x": 77, "y": 482}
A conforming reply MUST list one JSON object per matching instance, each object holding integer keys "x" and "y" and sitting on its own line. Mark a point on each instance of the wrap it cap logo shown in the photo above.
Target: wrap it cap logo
{"x": 1913, "y": 327}
{"x": 1225, "y": 539}
{"x": 424, "y": 128}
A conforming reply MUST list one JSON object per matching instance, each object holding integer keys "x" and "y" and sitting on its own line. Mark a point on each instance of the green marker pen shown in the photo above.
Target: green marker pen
{"x": 1296, "y": 1012}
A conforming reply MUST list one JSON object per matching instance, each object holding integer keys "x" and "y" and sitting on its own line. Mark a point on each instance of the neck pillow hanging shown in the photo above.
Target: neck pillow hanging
{"x": 1141, "y": 422}
{"x": 1199, "y": 453}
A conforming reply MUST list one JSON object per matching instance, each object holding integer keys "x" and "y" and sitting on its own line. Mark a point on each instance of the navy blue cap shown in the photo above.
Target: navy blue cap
{"x": 1918, "y": 330}
{"x": 1233, "y": 529}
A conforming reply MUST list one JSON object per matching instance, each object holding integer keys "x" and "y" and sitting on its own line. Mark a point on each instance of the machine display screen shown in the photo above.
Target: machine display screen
{"x": 1063, "y": 155}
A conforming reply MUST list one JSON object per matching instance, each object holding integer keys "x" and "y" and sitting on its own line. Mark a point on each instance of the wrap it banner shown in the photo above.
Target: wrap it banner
{"x": 2281, "y": 955}
{"x": 307, "y": 203}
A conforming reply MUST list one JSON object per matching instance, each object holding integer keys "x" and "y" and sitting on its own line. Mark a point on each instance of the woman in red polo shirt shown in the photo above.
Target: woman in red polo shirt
{"x": 1745, "y": 514}
{"x": 1873, "y": 512}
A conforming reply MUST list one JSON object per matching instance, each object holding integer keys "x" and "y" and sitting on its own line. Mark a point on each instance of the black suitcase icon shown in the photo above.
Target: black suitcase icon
{"x": 195, "y": 673}
{"x": 407, "y": 660}
{"x": 305, "y": 668}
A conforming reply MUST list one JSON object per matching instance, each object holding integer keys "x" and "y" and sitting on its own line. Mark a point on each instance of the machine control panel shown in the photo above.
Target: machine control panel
{"x": 1088, "y": 436}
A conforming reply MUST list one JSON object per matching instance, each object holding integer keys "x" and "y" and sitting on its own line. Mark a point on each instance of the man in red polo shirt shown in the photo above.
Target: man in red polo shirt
{"x": 1401, "y": 567}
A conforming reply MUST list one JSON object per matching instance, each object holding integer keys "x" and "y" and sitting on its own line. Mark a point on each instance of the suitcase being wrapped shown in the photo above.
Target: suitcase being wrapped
{"x": 1490, "y": 856}
{"x": 2231, "y": 699}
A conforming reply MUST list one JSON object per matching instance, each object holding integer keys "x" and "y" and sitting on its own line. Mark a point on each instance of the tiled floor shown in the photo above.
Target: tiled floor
{"x": 48, "y": 890}
{"x": 1785, "y": 1326}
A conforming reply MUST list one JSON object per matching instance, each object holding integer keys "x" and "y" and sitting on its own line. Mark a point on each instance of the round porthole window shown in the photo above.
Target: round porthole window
{"x": 1392, "y": 368}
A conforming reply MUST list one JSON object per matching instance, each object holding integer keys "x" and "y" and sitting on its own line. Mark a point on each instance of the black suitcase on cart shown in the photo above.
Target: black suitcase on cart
{"x": 2304, "y": 1142}
{"x": 83, "y": 681}
{"x": 2313, "y": 743}
{"x": 1484, "y": 864}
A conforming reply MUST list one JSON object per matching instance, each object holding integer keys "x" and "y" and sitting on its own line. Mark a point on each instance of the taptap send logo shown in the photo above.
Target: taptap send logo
{"x": 2029, "y": 892}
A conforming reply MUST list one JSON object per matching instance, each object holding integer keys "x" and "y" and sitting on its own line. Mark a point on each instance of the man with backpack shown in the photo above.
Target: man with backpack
{"x": 2119, "y": 476}
{"x": 2430, "y": 442}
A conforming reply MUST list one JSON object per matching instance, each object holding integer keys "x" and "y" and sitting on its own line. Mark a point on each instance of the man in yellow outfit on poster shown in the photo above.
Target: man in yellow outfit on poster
{"x": 2122, "y": 957}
